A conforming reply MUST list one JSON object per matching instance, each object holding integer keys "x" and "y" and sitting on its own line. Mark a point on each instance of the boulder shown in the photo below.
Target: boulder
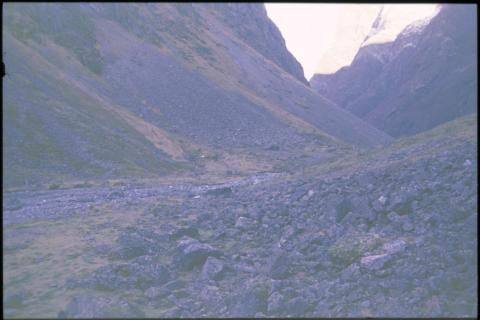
{"x": 402, "y": 203}
{"x": 379, "y": 204}
{"x": 128, "y": 276}
{"x": 189, "y": 232}
{"x": 225, "y": 191}
{"x": 154, "y": 293}
{"x": 348, "y": 249}
{"x": 308, "y": 195}
{"x": 397, "y": 246}
{"x": 213, "y": 269}
{"x": 350, "y": 272}
{"x": 191, "y": 253}
{"x": 253, "y": 299}
{"x": 375, "y": 262}
{"x": 342, "y": 209}
{"x": 244, "y": 223}
{"x": 131, "y": 245}
{"x": 298, "y": 306}
{"x": 276, "y": 303}
{"x": 279, "y": 266}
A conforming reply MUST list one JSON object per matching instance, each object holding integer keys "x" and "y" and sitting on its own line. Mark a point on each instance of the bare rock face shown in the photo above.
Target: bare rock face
{"x": 251, "y": 23}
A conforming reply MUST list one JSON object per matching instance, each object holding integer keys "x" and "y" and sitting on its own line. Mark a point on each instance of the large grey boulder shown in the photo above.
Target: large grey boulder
{"x": 213, "y": 269}
{"x": 375, "y": 262}
{"x": 191, "y": 253}
{"x": 279, "y": 266}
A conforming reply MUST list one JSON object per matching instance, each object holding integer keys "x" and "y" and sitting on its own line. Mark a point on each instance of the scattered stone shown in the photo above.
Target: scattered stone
{"x": 191, "y": 253}
{"x": 397, "y": 246}
{"x": 343, "y": 208}
{"x": 225, "y": 191}
{"x": 155, "y": 292}
{"x": 379, "y": 204}
{"x": 213, "y": 269}
{"x": 345, "y": 267}
{"x": 14, "y": 299}
{"x": 350, "y": 272}
{"x": 308, "y": 195}
{"x": 128, "y": 276}
{"x": 382, "y": 200}
{"x": 102, "y": 249}
{"x": 433, "y": 307}
{"x": 132, "y": 245}
{"x": 402, "y": 204}
{"x": 189, "y": 232}
{"x": 9, "y": 312}
{"x": 407, "y": 226}
{"x": 252, "y": 300}
{"x": 83, "y": 306}
{"x": 298, "y": 306}
{"x": 115, "y": 195}
{"x": 12, "y": 204}
{"x": 244, "y": 223}
{"x": 174, "y": 285}
{"x": 348, "y": 249}
{"x": 279, "y": 266}
{"x": 375, "y": 262}
{"x": 276, "y": 302}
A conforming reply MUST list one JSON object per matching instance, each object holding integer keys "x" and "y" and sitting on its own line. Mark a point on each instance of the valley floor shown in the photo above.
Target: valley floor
{"x": 385, "y": 233}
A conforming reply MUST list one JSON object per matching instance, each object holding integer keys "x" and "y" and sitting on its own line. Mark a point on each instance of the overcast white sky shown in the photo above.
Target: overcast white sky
{"x": 310, "y": 29}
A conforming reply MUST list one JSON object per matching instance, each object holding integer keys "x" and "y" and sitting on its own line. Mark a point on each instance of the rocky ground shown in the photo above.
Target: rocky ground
{"x": 390, "y": 233}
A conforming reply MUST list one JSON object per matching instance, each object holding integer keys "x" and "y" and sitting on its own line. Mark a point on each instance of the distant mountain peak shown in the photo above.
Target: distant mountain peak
{"x": 362, "y": 25}
{"x": 430, "y": 68}
{"x": 392, "y": 20}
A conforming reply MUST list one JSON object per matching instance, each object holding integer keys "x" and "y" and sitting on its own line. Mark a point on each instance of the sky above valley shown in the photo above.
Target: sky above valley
{"x": 324, "y": 37}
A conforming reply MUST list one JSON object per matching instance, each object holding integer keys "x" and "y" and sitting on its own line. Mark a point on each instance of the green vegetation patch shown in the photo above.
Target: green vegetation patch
{"x": 348, "y": 249}
{"x": 65, "y": 24}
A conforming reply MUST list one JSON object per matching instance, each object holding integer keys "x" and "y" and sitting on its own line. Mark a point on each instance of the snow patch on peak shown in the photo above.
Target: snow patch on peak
{"x": 365, "y": 24}
{"x": 394, "y": 18}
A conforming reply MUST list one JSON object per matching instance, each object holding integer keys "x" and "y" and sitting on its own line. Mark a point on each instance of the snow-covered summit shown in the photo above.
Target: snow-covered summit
{"x": 394, "y": 18}
{"x": 365, "y": 24}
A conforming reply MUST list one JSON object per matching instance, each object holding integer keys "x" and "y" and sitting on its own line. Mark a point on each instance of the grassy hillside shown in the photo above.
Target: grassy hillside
{"x": 54, "y": 131}
{"x": 409, "y": 149}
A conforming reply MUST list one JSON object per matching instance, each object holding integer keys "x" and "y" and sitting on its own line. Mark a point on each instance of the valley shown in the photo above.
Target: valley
{"x": 267, "y": 245}
{"x": 171, "y": 160}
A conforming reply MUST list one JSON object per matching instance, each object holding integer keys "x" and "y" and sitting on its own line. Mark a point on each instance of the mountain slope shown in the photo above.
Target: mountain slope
{"x": 181, "y": 81}
{"x": 53, "y": 128}
{"x": 427, "y": 76}
{"x": 252, "y": 25}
